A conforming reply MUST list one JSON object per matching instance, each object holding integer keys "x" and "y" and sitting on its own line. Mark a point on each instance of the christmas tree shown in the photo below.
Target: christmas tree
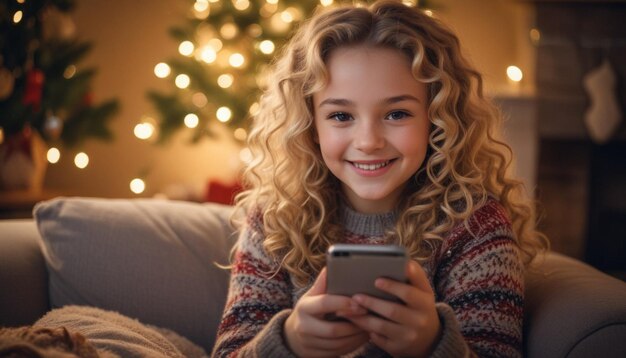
{"x": 225, "y": 49}
{"x": 42, "y": 88}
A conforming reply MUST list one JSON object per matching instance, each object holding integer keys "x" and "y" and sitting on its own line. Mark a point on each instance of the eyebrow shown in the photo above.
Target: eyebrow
{"x": 390, "y": 100}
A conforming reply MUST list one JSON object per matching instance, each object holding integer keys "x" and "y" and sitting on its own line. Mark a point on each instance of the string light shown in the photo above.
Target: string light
{"x": 535, "y": 35}
{"x": 81, "y": 160}
{"x": 241, "y": 5}
{"x": 201, "y": 5}
{"x": 245, "y": 155}
{"x": 240, "y": 134}
{"x": 186, "y": 48}
{"x": 162, "y": 70}
{"x": 225, "y": 80}
{"x": 216, "y": 44}
{"x": 17, "y": 17}
{"x": 254, "y": 108}
{"x": 223, "y": 114}
{"x": 514, "y": 73}
{"x": 208, "y": 54}
{"x": 69, "y": 72}
{"x": 182, "y": 81}
{"x": 236, "y": 60}
{"x": 199, "y": 99}
{"x": 144, "y": 130}
{"x": 137, "y": 186}
{"x": 267, "y": 47}
{"x": 326, "y": 2}
{"x": 191, "y": 120}
{"x": 1, "y": 135}
{"x": 53, "y": 155}
{"x": 229, "y": 30}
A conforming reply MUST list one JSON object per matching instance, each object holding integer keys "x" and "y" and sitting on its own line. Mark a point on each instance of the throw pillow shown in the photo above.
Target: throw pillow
{"x": 153, "y": 260}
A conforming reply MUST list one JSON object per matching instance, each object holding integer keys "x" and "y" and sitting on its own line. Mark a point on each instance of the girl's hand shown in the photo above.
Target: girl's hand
{"x": 409, "y": 330}
{"x": 307, "y": 332}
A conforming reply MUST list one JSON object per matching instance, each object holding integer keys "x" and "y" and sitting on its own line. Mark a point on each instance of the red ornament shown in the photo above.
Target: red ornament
{"x": 34, "y": 89}
{"x": 88, "y": 99}
{"x": 20, "y": 142}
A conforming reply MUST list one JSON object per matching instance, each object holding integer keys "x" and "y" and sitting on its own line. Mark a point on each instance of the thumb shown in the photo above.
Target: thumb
{"x": 319, "y": 286}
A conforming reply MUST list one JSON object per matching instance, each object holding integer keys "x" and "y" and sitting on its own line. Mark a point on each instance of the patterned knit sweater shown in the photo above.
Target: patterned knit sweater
{"x": 476, "y": 275}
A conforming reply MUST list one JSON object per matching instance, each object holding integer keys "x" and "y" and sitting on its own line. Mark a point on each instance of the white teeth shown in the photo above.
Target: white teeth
{"x": 371, "y": 166}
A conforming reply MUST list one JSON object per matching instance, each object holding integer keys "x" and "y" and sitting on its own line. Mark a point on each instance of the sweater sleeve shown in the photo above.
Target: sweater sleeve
{"x": 479, "y": 288}
{"x": 259, "y": 301}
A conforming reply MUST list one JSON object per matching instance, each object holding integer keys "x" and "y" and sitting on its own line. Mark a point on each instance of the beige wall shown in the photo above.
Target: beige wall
{"x": 130, "y": 37}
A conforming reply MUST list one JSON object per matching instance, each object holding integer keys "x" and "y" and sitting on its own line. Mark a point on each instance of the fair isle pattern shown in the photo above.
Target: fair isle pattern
{"x": 476, "y": 272}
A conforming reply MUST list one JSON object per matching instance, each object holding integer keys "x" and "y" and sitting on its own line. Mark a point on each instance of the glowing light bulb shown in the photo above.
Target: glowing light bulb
{"x": 162, "y": 70}
{"x": 326, "y": 2}
{"x": 428, "y": 13}
{"x": 286, "y": 16}
{"x": 201, "y": 5}
{"x": 199, "y": 99}
{"x": 240, "y": 134}
{"x": 535, "y": 35}
{"x": 216, "y": 44}
{"x": 254, "y": 108}
{"x": 245, "y": 155}
{"x": 241, "y": 4}
{"x": 81, "y": 160}
{"x": 182, "y": 81}
{"x": 278, "y": 23}
{"x": 267, "y": 47}
{"x": 223, "y": 114}
{"x": 255, "y": 30}
{"x": 69, "y": 72}
{"x": 17, "y": 17}
{"x": 186, "y": 48}
{"x": 137, "y": 186}
{"x": 208, "y": 54}
{"x": 144, "y": 130}
{"x": 191, "y": 120}
{"x": 273, "y": 2}
{"x": 236, "y": 60}
{"x": 229, "y": 30}
{"x": 514, "y": 73}
{"x": 53, "y": 155}
{"x": 226, "y": 80}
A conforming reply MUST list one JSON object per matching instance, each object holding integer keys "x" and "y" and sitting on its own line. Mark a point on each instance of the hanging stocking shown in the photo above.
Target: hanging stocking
{"x": 603, "y": 116}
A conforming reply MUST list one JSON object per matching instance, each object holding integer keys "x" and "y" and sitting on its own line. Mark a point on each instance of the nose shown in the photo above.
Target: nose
{"x": 369, "y": 136}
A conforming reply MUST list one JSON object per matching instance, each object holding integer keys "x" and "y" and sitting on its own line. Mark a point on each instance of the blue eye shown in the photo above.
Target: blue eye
{"x": 397, "y": 115}
{"x": 340, "y": 116}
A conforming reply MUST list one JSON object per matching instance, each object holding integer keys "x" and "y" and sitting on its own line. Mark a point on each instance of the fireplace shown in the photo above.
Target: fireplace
{"x": 581, "y": 183}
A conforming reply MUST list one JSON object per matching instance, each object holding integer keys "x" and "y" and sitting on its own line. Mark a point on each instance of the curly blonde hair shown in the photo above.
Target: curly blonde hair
{"x": 297, "y": 196}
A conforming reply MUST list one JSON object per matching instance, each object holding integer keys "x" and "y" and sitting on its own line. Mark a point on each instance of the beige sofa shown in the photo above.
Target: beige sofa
{"x": 155, "y": 260}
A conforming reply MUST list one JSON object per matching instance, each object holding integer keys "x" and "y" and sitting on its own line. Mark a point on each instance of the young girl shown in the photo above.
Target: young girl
{"x": 374, "y": 130}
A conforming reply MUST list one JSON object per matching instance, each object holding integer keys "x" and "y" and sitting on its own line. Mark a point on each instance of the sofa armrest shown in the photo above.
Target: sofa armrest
{"x": 23, "y": 275}
{"x": 573, "y": 310}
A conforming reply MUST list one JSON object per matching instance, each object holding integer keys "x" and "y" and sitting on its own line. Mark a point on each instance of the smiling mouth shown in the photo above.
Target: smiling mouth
{"x": 371, "y": 166}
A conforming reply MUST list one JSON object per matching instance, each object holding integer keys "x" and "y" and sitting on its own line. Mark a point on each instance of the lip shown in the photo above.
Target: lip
{"x": 374, "y": 167}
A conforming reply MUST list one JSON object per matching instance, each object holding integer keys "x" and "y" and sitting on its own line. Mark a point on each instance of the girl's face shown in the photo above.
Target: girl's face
{"x": 372, "y": 124}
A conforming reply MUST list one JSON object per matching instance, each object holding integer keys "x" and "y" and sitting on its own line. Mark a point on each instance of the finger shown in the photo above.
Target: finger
{"x": 319, "y": 286}
{"x": 418, "y": 278}
{"x": 375, "y": 324}
{"x": 337, "y": 345}
{"x": 391, "y": 311}
{"x": 330, "y": 330}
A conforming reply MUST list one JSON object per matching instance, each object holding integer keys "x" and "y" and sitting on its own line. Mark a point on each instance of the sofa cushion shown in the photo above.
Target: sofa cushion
{"x": 153, "y": 260}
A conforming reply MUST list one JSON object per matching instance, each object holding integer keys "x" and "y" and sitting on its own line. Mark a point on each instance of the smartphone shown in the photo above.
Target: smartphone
{"x": 353, "y": 268}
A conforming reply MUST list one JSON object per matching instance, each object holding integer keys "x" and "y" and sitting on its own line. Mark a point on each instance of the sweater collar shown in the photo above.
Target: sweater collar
{"x": 366, "y": 224}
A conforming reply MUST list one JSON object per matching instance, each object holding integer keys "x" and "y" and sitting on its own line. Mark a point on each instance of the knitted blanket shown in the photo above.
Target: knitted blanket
{"x": 114, "y": 334}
